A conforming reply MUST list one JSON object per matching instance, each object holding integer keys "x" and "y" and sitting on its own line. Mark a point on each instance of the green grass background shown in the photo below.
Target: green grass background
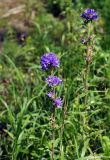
{"x": 25, "y": 125}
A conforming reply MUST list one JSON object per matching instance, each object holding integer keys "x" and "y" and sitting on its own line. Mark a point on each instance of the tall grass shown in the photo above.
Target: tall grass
{"x": 25, "y": 126}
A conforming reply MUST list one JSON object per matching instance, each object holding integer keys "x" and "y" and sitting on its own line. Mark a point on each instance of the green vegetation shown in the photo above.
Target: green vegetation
{"x": 81, "y": 133}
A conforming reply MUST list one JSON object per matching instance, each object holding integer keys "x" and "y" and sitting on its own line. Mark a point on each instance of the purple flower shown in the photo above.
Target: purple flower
{"x": 89, "y": 14}
{"x": 53, "y": 81}
{"x": 83, "y": 41}
{"x": 58, "y": 102}
{"x": 49, "y": 60}
{"x": 51, "y": 94}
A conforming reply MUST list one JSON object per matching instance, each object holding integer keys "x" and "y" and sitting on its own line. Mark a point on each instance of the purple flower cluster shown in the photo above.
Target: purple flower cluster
{"x": 57, "y": 101}
{"x": 89, "y": 14}
{"x": 49, "y": 60}
{"x": 53, "y": 81}
{"x": 51, "y": 94}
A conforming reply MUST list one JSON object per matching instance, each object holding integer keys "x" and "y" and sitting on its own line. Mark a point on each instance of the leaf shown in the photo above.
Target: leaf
{"x": 85, "y": 147}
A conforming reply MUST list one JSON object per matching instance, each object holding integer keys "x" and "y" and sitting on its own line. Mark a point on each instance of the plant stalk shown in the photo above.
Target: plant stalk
{"x": 53, "y": 131}
{"x": 86, "y": 81}
{"x": 62, "y": 131}
{"x": 88, "y": 59}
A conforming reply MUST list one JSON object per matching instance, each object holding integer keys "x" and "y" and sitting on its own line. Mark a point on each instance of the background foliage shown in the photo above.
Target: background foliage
{"x": 25, "y": 125}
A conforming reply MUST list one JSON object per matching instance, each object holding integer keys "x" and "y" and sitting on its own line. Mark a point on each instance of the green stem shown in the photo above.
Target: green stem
{"x": 62, "y": 131}
{"x": 53, "y": 131}
{"x": 53, "y": 123}
{"x": 86, "y": 81}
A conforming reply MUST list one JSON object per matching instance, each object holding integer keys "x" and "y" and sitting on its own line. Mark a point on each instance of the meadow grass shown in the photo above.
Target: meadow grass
{"x": 81, "y": 133}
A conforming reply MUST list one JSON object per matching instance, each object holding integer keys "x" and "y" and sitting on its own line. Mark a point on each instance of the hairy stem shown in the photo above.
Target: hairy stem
{"x": 62, "y": 130}
{"x": 63, "y": 123}
{"x": 53, "y": 131}
{"x": 88, "y": 59}
{"x": 86, "y": 81}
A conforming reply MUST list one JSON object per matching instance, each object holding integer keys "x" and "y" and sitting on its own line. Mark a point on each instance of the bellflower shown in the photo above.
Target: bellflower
{"x": 49, "y": 60}
{"x": 58, "y": 102}
{"x": 89, "y": 14}
{"x": 51, "y": 94}
{"x": 53, "y": 81}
